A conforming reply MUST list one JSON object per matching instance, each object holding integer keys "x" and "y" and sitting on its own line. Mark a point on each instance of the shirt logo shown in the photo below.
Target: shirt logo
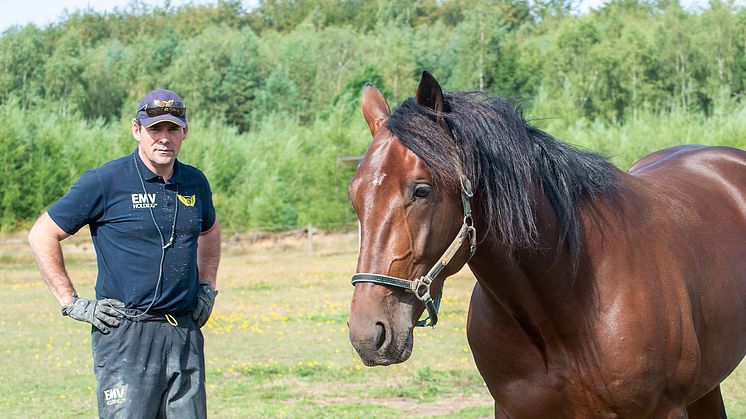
{"x": 187, "y": 200}
{"x": 141, "y": 200}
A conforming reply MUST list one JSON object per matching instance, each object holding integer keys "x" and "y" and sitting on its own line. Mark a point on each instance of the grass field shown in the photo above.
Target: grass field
{"x": 276, "y": 345}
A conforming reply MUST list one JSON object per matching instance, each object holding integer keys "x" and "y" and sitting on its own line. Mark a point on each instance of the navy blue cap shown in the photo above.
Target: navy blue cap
{"x": 165, "y": 99}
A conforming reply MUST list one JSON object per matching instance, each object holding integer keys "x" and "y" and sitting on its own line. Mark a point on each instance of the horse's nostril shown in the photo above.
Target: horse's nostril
{"x": 380, "y": 335}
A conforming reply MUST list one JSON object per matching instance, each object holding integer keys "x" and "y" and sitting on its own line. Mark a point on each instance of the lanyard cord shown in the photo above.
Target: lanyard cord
{"x": 164, "y": 244}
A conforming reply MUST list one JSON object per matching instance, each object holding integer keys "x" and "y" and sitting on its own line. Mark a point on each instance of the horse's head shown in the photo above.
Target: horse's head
{"x": 408, "y": 222}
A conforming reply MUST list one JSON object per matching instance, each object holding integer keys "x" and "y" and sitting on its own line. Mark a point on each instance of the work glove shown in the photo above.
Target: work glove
{"x": 102, "y": 314}
{"x": 205, "y": 300}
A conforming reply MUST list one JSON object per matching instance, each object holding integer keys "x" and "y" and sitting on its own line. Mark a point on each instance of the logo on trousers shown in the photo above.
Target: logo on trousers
{"x": 115, "y": 395}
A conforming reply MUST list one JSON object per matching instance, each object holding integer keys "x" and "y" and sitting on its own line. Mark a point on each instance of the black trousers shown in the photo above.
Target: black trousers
{"x": 150, "y": 367}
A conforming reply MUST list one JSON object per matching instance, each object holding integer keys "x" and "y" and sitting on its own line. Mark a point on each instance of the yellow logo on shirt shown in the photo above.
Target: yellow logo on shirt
{"x": 187, "y": 200}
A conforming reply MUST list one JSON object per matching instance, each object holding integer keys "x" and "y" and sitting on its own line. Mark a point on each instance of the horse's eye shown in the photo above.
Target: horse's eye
{"x": 421, "y": 191}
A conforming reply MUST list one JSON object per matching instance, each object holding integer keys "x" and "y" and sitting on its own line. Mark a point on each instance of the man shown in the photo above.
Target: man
{"x": 157, "y": 242}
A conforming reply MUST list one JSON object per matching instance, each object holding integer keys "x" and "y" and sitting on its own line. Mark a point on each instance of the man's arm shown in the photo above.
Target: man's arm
{"x": 208, "y": 255}
{"x": 45, "y": 237}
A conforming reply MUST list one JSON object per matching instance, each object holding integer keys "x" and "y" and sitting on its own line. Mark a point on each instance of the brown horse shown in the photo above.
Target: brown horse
{"x": 599, "y": 293}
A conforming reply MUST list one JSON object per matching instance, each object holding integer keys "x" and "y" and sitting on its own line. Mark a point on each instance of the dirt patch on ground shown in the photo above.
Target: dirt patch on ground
{"x": 413, "y": 408}
{"x": 318, "y": 241}
{"x": 323, "y": 396}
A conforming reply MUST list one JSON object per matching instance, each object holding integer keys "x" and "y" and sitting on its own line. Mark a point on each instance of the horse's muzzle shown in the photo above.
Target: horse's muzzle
{"x": 378, "y": 344}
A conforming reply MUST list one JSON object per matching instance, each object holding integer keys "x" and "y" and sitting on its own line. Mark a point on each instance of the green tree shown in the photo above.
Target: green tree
{"x": 22, "y": 55}
{"x": 278, "y": 96}
{"x": 677, "y": 53}
{"x": 62, "y": 72}
{"x": 476, "y": 44}
{"x": 341, "y": 54}
{"x": 198, "y": 70}
{"x": 103, "y": 81}
{"x": 717, "y": 40}
{"x": 241, "y": 81}
{"x": 274, "y": 92}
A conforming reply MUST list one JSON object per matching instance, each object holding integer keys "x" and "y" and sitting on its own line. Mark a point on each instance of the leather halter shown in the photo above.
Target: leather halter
{"x": 421, "y": 287}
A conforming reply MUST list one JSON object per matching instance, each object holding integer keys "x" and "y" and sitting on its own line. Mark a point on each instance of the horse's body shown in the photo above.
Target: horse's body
{"x": 655, "y": 318}
{"x": 611, "y": 294}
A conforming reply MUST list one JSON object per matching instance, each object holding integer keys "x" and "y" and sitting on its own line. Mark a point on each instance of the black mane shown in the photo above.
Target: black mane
{"x": 505, "y": 158}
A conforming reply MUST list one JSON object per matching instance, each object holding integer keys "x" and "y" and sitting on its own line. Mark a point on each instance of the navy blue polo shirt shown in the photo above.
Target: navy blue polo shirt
{"x": 111, "y": 201}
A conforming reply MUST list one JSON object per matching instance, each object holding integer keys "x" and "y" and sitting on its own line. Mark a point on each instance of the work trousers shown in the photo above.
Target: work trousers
{"x": 151, "y": 366}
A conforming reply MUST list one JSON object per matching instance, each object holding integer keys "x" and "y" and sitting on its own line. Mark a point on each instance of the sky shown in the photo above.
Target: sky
{"x": 44, "y": 12}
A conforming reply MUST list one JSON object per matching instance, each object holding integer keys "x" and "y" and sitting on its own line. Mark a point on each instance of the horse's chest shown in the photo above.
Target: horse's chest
{"x": 532, "y": 378}
{"x": 549, "y": 396}
{"x": 558, "y": 393}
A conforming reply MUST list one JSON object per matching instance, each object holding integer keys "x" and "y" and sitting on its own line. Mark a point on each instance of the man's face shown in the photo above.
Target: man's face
{"x": 160, "y": 143}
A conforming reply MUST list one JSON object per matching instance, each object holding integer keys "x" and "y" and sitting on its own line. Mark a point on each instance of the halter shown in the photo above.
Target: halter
{"x": 421, "y": 287}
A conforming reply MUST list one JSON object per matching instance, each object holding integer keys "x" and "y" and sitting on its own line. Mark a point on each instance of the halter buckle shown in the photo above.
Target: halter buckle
{"x": 472, "y": 240}
{"x": 422, "y": 284}
{"x": 466, "y": 187}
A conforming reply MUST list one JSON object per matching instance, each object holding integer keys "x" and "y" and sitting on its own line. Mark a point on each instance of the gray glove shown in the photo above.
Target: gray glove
{"x": 102, "y": 314}
{"x": 205, "y": 300}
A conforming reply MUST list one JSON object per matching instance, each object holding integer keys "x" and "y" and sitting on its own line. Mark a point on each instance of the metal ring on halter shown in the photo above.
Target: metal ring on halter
{"x": 423, "y": 282}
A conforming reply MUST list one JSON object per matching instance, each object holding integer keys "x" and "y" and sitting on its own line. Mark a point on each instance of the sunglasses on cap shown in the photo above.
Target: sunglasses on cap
{"x": 163, "y": 107}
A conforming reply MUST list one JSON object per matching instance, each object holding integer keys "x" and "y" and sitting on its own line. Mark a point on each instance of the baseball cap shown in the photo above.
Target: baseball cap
{"x": 161, "y": 105}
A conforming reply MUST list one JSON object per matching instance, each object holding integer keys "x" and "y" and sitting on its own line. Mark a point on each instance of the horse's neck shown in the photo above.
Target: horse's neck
{"x": 541, "y": 286}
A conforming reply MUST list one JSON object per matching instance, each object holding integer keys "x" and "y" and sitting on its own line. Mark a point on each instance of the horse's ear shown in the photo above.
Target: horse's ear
{"x": 375, "y": 109}
{"x": 429, "y": 93}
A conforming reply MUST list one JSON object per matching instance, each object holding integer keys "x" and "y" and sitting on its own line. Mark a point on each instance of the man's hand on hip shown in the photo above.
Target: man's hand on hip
{"x": 205, "y": 300}
{"x": 103, "y": 314}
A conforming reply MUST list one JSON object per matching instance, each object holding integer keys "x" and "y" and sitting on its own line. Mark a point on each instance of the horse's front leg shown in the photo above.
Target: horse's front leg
{"x": 499, "y": 413}
{"x": 709, "y": 406}
{"x": 667, "y": 409}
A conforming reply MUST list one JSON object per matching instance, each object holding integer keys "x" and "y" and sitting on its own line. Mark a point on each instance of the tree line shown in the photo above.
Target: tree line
{"x": 273, "y": 92}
